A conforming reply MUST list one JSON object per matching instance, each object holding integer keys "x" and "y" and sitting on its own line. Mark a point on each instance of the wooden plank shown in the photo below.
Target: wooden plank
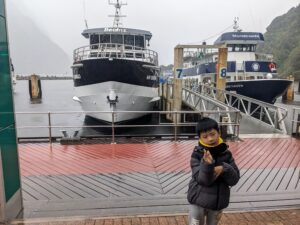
{"x": 27, "y": 196}
{"x": 69, "y": 190}
{"x": 277, "y": 180}
{"x": 151, "y": 177}
{"x": 102, "y": 186}
{"x": 286, "y": 179}
{"x": 246, "y": 182}
{"x": 294, "y": 180}
{"x": 96, "y": 190}
{"x": 34, "y": 193}
{"x": 178, "y": 184}
{"x": 133, "y": 185}
{"x": 42, "y": 190}
{"x": 128, "y": 189}
{"x": 259, "y": 181}
{"x": 268, "y": 180}
{"x": 142, "y": 183}
{"x": 77, "y": 186}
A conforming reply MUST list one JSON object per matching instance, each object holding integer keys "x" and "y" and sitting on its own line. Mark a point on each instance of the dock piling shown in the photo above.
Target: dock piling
{"x": 289, "y": 95}
{"x": 35, "y": 88}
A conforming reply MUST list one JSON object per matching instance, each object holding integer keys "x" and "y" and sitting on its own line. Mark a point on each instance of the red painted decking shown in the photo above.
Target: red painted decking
{"x": 138, "y": 179}
{"x": 163, "y": 156}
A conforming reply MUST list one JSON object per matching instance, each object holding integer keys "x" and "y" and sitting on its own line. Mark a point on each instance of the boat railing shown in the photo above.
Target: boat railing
{"x": 264, "y": 57}
{"x": 57, "y": 125}
{"x": 119, "y": 51}
{"x": 266, "y": 113}
{"x": 296, "y": 122}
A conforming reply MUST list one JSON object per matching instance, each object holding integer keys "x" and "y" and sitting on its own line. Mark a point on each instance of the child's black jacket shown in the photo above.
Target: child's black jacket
{"x": 204, "y": 189}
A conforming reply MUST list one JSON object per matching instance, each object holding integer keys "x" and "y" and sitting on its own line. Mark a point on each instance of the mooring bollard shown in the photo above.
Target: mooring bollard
{"x": 35, "y": 88}
{"x": 223, "y": 127}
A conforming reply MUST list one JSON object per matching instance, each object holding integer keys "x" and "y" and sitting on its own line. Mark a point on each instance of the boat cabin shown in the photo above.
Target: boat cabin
{"x": 116, "y": 35}
{"x": 240, "y": 41}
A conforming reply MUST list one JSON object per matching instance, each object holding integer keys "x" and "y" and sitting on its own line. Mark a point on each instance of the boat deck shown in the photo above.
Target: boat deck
{"x": 150, "y": 177}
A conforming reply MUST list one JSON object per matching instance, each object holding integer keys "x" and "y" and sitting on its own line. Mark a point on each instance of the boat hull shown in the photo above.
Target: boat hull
{"x": 116, "y": 85}
{"x": 266, "y": 90}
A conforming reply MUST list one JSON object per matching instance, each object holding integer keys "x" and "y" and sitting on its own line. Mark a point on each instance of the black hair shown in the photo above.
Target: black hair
{"x": 205, "y": 124}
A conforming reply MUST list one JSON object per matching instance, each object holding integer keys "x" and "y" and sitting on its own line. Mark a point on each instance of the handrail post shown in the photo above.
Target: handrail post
{"x": 293, "y": 121}
{"x": 159, "y": 114}
{"x": 175, "y": 128}
{"x": 49, "y": 126}
{"x": 113, "y": 127}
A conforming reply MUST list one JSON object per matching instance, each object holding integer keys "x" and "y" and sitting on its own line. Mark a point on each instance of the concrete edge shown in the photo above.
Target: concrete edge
{"x": 245, "y": 136}
{"x": 85, "y": 218}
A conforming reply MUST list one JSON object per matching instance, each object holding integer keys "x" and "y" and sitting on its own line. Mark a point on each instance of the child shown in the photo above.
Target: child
{"x": 213, "y": 173}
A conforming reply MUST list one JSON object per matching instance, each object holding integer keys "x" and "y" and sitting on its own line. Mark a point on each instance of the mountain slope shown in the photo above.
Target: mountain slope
{"x": 31, "y": 50}
{"x": 282, "y": 39}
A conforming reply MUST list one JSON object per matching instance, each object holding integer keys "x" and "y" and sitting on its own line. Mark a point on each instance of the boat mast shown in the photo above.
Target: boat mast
{"x": 236, "y": 27}
{"x": 118, "y": 4}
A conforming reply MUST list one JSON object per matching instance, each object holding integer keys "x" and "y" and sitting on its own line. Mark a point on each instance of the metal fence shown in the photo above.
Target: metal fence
{"x": 56, "y": 128}
{"x": 120, "y": 51}
{"x": 296, "y": 122}
{"x": 264, "y": 112}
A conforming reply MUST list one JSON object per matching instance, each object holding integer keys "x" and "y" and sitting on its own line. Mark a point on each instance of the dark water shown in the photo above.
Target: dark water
{"x": 57, "y": 97}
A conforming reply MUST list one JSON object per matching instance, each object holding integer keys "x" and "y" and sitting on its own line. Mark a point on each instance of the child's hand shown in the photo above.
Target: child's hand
{"x": 207, "y": 157}
{"x": 218, "y": 170}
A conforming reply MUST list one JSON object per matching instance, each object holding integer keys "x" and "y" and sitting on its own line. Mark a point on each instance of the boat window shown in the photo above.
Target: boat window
{"x": 231, "y": 48}
{"x": 128, "y": 39}
{"x": 238, "y": 78}
{"x": 250, "y": 78}
{"x": 94, "y": 39}
{"x": 105, "y": 38}
{"x": 139, "y": 41}
{"x": 117, "y": 38}
{"x": 237, "y": 48}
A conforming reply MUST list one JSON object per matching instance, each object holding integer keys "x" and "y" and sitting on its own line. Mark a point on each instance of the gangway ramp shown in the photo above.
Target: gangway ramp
{"x": 257, "y": 116}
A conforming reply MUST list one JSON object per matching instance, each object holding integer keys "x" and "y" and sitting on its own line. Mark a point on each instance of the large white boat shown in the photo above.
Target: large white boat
{"x": 116, "y": 71}
{"x": 249, "y": 73}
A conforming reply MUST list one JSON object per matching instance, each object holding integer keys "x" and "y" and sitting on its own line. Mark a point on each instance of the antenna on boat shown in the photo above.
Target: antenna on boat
{"x": 236, "y": 27}
{"x": 84, "y": 15}
{"x": 118, "y": 4}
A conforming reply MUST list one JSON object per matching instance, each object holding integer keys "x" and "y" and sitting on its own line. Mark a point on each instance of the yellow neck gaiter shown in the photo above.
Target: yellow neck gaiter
{"x": 205, "y": 145}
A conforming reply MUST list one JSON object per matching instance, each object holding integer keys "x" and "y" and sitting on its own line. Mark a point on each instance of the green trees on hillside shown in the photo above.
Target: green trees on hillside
{"x": 282, "y": 39}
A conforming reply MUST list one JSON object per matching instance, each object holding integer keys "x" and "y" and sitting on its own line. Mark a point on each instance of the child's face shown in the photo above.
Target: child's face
{"x": 210, "y": 137}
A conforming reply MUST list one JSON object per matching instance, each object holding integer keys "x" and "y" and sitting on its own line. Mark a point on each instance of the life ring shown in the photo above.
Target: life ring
{"x": 272, "y": 67}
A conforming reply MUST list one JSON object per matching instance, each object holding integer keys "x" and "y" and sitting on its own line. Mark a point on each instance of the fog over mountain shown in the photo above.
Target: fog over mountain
{"x": 31, "y": 50}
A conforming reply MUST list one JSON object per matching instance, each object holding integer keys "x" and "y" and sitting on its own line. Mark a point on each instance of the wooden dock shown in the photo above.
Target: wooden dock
{"x": 150, "y": 177}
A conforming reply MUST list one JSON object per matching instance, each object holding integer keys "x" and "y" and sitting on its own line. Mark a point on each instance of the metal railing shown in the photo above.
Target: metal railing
{"x": 119, "y": 51}
{"x": 295, "y": 129}
{"x": 197, "y": 101}
{"x": 266, "y": 113}
{"x": 48, "y": 122}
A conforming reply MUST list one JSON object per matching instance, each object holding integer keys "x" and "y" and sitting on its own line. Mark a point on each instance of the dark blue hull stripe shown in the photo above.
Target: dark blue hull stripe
{"x": 125, "y": 71}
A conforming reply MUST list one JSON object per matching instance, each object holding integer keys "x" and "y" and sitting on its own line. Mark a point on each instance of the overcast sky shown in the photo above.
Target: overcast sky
{"x": 170, "y": 21}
